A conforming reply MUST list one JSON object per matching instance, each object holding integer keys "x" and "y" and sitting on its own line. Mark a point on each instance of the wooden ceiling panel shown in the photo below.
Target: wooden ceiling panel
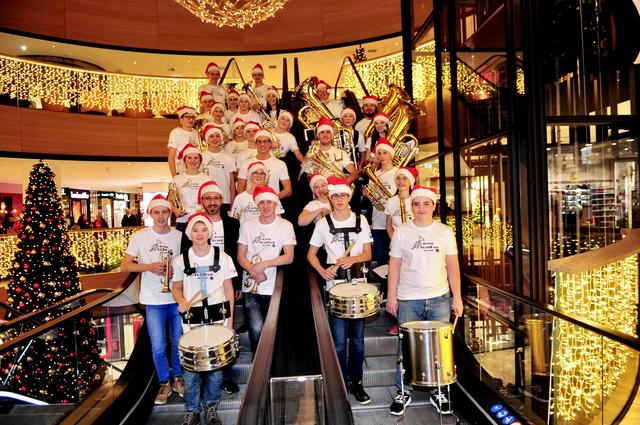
{"x": 358, "y": 19}
{"x": 44, "y": 17}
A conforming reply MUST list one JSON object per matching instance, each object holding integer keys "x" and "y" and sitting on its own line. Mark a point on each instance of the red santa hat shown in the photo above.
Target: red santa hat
{"x": 324, "y": 124}
{"x": 257, "y": 69}
{"x": 205, "y": 95}
{"x": 244, "y": 96}
{"x": 381, "y": 116}
{"x": 410, "y": 173}
{"x": 210, "y": 129}
{"x": 251, "y": 125}
{"x": 321, "y": 83}
{"x": 287, "y": 114}
{"x": 370, "y": 100}
{"x": 184, "y": 109}
{"x": 233, "y": 93}
{"x": 199, "y": 217}
{"x": 263, "y": 133}
{"x": 384, "y": 144}
{"x": 158, "y": 201}
{"x": 255, "y": 166}
{"x": 208, "y": 187}
{"x": 211, "y": 67}
{"x": 313, "y": 178}
{"x": 218, "y": 105}
{"x": 188, "y": 149}
{"x": 238, "y": 122}
{"x": 273, "y": 90}
{"x": 420, "y": 191}
{"x": 346, "y": 111}
{"x": 338, "y": 185}
{"x": 264, "y": 193}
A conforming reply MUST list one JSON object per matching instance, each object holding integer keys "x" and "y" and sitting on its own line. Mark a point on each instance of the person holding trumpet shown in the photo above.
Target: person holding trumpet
{"x": 346, "y": 238}
{"x": 203, "y": 290}
{"x": 155, "y": 247}
{"x": 423, "y": 280}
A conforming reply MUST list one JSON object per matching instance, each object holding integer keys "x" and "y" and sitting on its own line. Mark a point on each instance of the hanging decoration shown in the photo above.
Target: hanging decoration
{"x": 233, "y": 13}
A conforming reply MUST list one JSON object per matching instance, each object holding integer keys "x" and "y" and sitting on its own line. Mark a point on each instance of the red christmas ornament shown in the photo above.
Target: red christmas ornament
{"x": 18, "y": 290}
{"x": 36, "y": 285}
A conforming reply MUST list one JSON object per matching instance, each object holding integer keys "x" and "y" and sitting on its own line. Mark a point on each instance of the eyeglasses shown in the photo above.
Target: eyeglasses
{"x": 258, "y": 173}
{"x": 262, "y": 142}
{"x": 340, "y": 195}
{"x": 212, "y": 198}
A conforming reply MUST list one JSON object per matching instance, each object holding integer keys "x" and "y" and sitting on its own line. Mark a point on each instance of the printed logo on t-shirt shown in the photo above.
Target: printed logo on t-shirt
{"x": 425, "y": 245}
{"x": 191, "y": 184}
{"x": 159, "y": 246}
{"x": 263, "y": 241}
{"x": 210, "y": 273}
{"x": 339, "y": 238}
{"x": 214, "y": 163}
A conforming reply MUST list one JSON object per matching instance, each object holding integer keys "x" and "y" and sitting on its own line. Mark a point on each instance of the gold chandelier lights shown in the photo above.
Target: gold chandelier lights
{"x": 233, "y": 13}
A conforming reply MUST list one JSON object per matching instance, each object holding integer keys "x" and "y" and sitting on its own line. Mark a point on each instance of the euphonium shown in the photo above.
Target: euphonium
{"x": 322, "y": 163}
{"x": 166, "y": 259}
{"x": 378, "y": 193}
{"x": 176, "y": 197}
{"x": 398, "y": 107}
{"x": 198, "y": 125}
{"x": 405, "y": 148}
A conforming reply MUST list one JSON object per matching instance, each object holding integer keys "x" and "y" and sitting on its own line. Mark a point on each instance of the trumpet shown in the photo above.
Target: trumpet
{"x": 166, "y": 259}
{"x": 403, "y": 209}
{"x": 249, "y": 281}
{"x": 378, "y": 193}
{"x": 176, "y": 197}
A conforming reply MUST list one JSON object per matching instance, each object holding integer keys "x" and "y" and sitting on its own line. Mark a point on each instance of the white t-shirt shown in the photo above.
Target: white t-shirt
{"x": 219, "y": 166}
{"x": 316, "y": 205}
{"x": 392, "y": 209}
{"x": 265, "y": 242}
{"x": 423, "y": 250}
{"x": 288, "y": 143}
{"x": 188, "y": 185}
{"x": 387, "y": 178}
{"x": 335, "y": 106}
{"x": 229, "y": 114}
{"x": 149, "y": 247}
{"x": 178, "y": 139}
{"x": 234, "y": 148}
{"x": 338, "y": 157}
{"x": 216, "y": 237}
{"x": 261, "y": 93}
{"x": 362, "y": 125}
{"x": 247, "y": 154}
{"x": 244, "y": 208}
{"x": 249, "y": 116}
{"x": 214, "y": 280}
{"x": 277, "y": 171}
{"x": 218, "y": 92}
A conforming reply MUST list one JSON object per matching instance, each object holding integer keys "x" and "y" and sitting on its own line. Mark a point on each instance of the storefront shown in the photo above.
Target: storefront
{"x": 75, "y": 202}
{"x": 113, "y": 206}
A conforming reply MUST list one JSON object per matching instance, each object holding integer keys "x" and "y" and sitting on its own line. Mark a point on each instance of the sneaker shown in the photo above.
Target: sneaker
{"x": 230, "y": 386}
{"x": 440, "y": 401}
{"x": 163, "y": 393}
{"x": 211, "y": 415}
{"x": 178, "y": 385}
{"x": 400, "y": 403}
{"x": 359, "y": 393}
{"x": 393, "y": 330}
{"x": 191, "y": 418}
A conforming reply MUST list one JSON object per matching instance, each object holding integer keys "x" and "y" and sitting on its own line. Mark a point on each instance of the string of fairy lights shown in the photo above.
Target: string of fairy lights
{"x": 587, "y": 367}
{"x": 93, "y": 249}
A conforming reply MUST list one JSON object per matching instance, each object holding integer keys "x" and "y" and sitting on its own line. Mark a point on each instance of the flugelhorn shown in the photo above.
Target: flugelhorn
{"x": 176, "y": 197}
{"x": 377, "y": 192}
{"x": 166, "y": 259}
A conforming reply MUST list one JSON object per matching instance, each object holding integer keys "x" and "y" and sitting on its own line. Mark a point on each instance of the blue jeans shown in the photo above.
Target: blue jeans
{"x": 158, "y": 316}
{"x": 212, "y": 381}
{"x": 351, "y": 330}
{"x": 256, "y": 307}
{"x": 432, "y": 309}
{"x": 380, "y": 255}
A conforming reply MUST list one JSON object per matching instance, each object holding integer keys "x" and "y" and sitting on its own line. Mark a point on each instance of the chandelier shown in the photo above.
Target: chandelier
{"x": 233, "y": 13}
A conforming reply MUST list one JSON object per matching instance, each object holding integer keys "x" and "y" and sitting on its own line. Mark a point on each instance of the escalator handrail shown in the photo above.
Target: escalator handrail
{"x": 39, "y": 330}
{"x": 605, "y": 331}
{"x": 252, "y": 407}
{"x": 338, "y": 408}
{"x": 31, "y": 315}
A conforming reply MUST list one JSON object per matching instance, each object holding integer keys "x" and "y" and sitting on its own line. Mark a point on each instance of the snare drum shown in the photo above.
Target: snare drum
{"x": 354, "y": 301}
{"x": 427, "y": 353}
{"x": 208, "y": 348}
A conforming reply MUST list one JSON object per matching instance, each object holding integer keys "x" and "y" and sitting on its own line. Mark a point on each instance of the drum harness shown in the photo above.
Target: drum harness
{"x": 345, "y": 232}
{"x": 202, "y": 270}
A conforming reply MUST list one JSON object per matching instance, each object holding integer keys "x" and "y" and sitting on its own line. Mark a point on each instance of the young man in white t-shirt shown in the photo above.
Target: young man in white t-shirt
{"x": 205, "y": 275}
{"x": 219, "y": 165}
{"x": 277, "y": 169}
{"x": 151, "y": 246}
{"x": 181, "y": 136}
{"x": 423, "y": 276}
{"x": 335, "y": 233}
{"x": 264, "y": 244}
{"x": 218, "y": 91}
{"x": 324, "y": 133}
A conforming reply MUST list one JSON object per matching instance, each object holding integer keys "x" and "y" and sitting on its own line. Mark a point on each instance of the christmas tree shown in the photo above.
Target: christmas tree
{"x": 359, "y": 54}
{"x": 63, "y": 364}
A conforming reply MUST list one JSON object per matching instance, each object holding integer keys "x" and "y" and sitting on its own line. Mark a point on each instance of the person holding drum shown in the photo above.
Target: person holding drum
{"x": 203, "y": 290}
{"x": 265, "y": 243}
{"x": 423, "y": 276}
{"x": 155, "y": 246}
{"x": 346, "y": 238}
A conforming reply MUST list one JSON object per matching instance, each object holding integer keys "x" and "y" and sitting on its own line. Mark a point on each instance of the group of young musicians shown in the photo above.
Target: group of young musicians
{"x": 227, "y": 201}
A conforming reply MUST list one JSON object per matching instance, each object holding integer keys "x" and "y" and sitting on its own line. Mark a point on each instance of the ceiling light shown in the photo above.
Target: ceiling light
{"x": 23, "y": 47}
{"x": 233, "y": 13}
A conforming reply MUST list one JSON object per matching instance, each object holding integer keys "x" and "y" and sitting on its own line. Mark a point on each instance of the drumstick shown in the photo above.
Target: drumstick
{"x": 455, "y": 322}
{"x": 334, "y": 268}
{"x": 195, "y": 300}
{"x": 190, "y": 302}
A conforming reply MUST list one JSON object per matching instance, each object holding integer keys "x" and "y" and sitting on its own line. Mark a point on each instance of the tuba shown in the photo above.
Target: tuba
{"x": 311, "y": 112}
{"x": 398, "y": 107}
{"x": 176, "y": 197}
{"x": 378, "y": 193}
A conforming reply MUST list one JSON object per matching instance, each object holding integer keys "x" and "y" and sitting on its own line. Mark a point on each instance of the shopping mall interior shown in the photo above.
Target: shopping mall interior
{"x": 531, "y": 142}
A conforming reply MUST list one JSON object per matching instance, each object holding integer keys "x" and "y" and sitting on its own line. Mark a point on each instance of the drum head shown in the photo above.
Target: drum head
{"x": 419, "y": 325}
{"x": 353, "y": 290}
{"x": 206, "y": 336}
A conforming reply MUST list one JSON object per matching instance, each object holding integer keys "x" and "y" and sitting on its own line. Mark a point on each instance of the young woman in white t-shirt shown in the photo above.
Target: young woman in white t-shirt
{"x": 380, "y": 129}
{"x": 244, "y": 208}
{"x": 405, "y": 178}
{"x": 320, "y": 205}
{"x": 286, "y": 141}
{"x": 180, "y": 137}
{"x": 220, "y": 119}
